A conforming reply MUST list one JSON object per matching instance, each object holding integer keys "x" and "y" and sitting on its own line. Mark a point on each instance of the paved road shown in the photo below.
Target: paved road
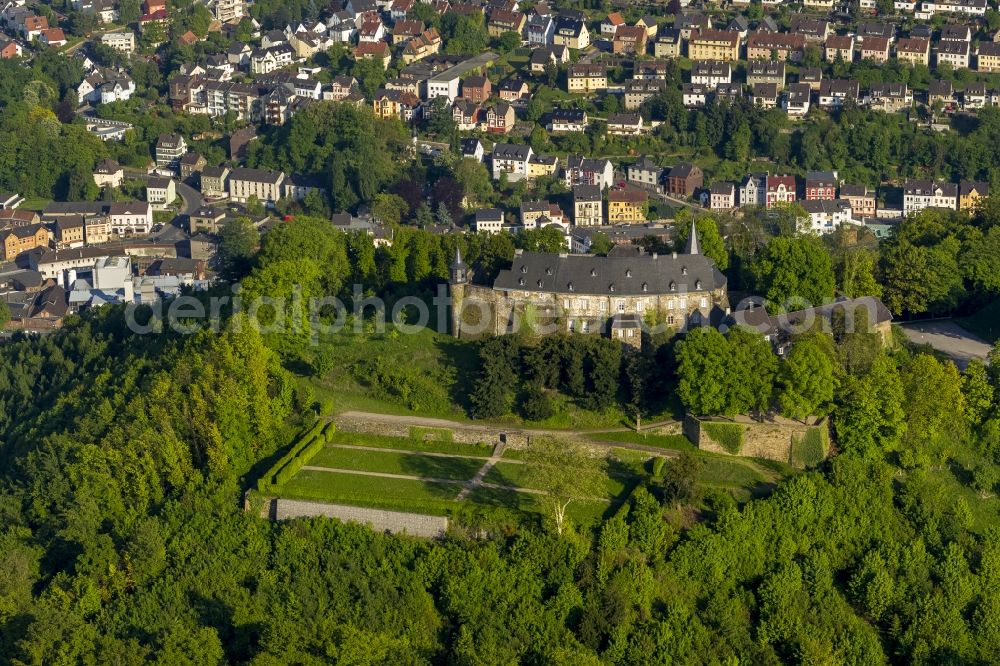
{"x": 191, "y": 197}
{"x": 947, "y": 337}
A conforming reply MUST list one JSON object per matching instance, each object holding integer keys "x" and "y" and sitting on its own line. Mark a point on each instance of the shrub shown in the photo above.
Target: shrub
{"x": 536, "y": 405}
{"x": 329, "y": 431}
{"x": 728, "y": 435}
{"x": 658, "y": 463}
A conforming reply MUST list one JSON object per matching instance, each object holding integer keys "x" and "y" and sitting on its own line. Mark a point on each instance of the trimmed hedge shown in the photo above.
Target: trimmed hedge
{"x": 658, "y": 464}
{"x": 728, "y": 435}
{"x": 319, "y": 431}
{"x": 329, "y": 431}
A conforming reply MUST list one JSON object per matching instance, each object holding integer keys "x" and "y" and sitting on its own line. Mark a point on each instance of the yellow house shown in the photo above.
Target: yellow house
{"x": 626, "y": 206}
{"x": 586, "y": 78}
{"x": 540, "y": 166}
{"x": 714, "y": 45}
{"x": 914, "y": 50}
{"x": 988, "y": 57}
{"x": 969, "y": 194}
{"x": 502, "y": 21}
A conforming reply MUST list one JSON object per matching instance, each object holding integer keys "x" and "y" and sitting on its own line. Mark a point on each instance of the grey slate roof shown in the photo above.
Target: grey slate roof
{"x": 610, "y": 276}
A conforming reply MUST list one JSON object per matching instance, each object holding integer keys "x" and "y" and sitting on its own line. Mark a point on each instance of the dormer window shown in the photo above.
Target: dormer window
{"x": 539, "y": 284}
{"x": 524, "y": 269}
{"x": 593, "y": 273}
{"x": 697, "y": 284}
{"x": 628, "y": 273}
{"x": 548, "y": 271}
{"x": 673, "y": 286}
{"x": 684, "y": 270}
{"x": 520, "y": 281}
{"x": 645, "y": 287}
{"x": 570, "y": 286}
{"x": 611, "y": 287}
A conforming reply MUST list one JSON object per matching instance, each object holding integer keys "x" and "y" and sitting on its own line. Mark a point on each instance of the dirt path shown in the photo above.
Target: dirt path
{"x": 433, "y": 454}
{"x": 477, "y": 480}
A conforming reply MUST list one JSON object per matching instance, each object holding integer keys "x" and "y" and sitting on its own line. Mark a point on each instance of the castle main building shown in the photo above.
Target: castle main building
{"x": 612, "y": 295}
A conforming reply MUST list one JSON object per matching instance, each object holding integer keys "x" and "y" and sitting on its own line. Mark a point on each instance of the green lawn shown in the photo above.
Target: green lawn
{"x": 35, "y": 203}
{"x": 404, "y": 444}
{"x": 371, "y": 491}
{"x": 393, "y": 462}
{"x": 671, "y": 442}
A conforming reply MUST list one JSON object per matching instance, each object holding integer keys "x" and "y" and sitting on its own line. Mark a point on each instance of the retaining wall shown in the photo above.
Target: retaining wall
{"x": 380, "y": 520}
{"x": 454, "y": 433}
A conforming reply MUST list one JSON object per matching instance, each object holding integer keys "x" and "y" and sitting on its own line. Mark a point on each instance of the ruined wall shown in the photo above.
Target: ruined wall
{"x": 773, "y": 440}
{"x": 453, "y": 432}
{"x": 380, "y": 520}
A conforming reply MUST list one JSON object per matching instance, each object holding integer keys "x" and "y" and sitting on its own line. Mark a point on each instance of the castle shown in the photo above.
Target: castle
{"x": 613, "y": 295}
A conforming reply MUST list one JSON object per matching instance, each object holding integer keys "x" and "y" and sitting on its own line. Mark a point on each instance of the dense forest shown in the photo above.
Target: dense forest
{"x": 122, "y": 537}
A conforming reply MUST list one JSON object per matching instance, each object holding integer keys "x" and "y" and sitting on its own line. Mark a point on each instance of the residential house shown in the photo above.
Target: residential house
{"x": 536, "y": 214}
{"x": 567, "y": 120}
{"x": 267, "y": 60}
{"x": 650, "y": 25}
{"x": 108, "y": 173}
{"x": 588, "y": 171}
{"x": 477, "y": 89}
{"x": 611, "y": 24}
{"x": 263, "y": 185}
{"x": 380, "y": 51}
{"x": 839, "y": 47}
{"x": 668, "y": 43}
{"x": 571, "y": 33}
{"x": 297, "y": 187}
{"x": 914, "y": 50}
{"x": 941, "y": 91}
{"x": 629, "y": 40}
{"x": 488, "y": 221}
{"x": 890, "y": 97}
{"x": 11, "y": 200}
{"x": 690, "y": 23}
{"x": 953, "y": 53}
{"x": 502, "y": 21}
{"x": 404, "y": 31}
{"x": 544, "y": 56}
{"x": 875, "y": 49}
{"x": 821, "y": 185}
{"x": 921, "y": 194}
{"x": 646, "y": 173}
{"x": 511, "y": 160}
{"x": 955, "y": 32}
{"x": 779, "y": 190}
{"x": 649, "y": 70}
{"x": 418, "y": 48}
{"x": 69, "y": 232}
{"x": 694, "y": 95}
{"x": 625, "y": 124}
{"x": 766, "y": 71}
{"x": 627, "y": 205}
{"x": 834, "y": 93}
{"x": 341, "y": 87}
{"x": 861, "y": 199}
{"x": 190, "y": 164}
{"x": 722, "y": 196}
{"x": 10, "y": 49}
{"x": 775, "y": 46}
{"x": 500, "y": 118}
{"x": 473, "y": 149}
{"x": 119, "y": 41}
{"x": 586, "y": 78}
{"x": 684, "y": 179}
{"x": 588, "y": 205}
{"x": 970, "y": 193}
{"x": 466, "y": 114}
{"x": 823, "y": 216}
{"x": 882, "y": 30}
{"x": 797, "y": 99}
{"x": 160, "y": 192}
{"x": 753, "y": 190}
{"x": 395, "y": 104}
{"x": 765, "y": 95}
{"x": 512, "y": 90}
{"x": 540, "y": 31}
{"x": 637, "y": 92}
{"x": 713, "y": 45}
{"x": 542, "y": 166}
{"x": 812, "y": 76}
{"x": 812, "y": 29}
{"x": 127, "y": 218}
{"x": 988, "y": 57}
{"x": 213, "y": 181}
{"x": 711, "y": 73}
{"x": 21, "y": 238}
{"x": 169, "y": 150}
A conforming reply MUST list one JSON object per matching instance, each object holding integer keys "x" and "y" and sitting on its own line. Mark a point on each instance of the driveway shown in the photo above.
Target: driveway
{"x": 947, "y": 337}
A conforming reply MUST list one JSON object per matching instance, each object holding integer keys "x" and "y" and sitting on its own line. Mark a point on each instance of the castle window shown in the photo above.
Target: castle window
{"x": 704, "y": 302}
{"x": 621, "y": 306}
{"x": 670, "y": 320}
{"x": 670, "y": 304}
